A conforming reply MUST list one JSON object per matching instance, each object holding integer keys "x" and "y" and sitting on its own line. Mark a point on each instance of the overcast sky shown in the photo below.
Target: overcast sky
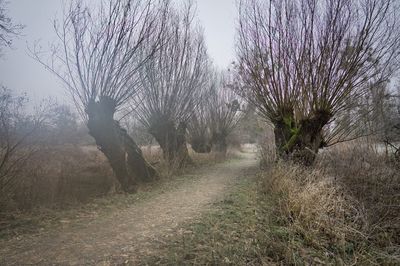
{"x": 21, "y": 73}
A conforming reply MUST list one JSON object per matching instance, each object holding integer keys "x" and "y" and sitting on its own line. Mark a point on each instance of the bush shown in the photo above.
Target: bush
{"x": 344, "y": 210}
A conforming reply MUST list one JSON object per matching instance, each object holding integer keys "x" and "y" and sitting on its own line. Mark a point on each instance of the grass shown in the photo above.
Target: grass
{"x": 41, "y": 218}
{"x": 330, "y": 219}
{"x": 290, "y": 215}
{"x": 75, "y": 174}
{"x": 44, "y": 218}
{"x": 343, "y": 211}
{"x": 232, "y": 234}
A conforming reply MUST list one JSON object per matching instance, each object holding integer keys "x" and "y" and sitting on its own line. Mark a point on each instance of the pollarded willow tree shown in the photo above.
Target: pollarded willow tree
{"x": 98, "y": 57}
{"x": 217, "y": 115}
{"x": 172, "y": 84}
{"x": 225, "y": 111}
{"x": 199, "y": 127}
{"x": 303, "y": 61}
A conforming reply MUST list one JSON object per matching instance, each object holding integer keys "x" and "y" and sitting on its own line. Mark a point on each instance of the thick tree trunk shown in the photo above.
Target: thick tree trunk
{"x": 282, "y": 133}
{"x": 219, "y": 143}
{"x": 200, "y": 144}
{"x": 172, "y": 140}
{"x": 137, "y": 164}
{"x": 301, "y": 141}
{"x": 125, "y": 157}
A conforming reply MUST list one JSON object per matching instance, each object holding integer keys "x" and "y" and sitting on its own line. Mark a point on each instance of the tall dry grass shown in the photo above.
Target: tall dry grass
{"x": 64, "y": 174}
{"x": 345, "y": 210}
{"x": 59, "y": 175}
{"x": 153, "y": 154}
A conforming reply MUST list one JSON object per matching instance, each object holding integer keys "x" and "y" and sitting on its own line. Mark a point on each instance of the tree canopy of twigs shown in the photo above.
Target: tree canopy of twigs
{"x": 225, "y": 111}
{"x": 101, "y": 50}
{"x": 199, "y": 127}
{"x": 301, "y": 61}
{"x": 10, "y": 109}
{"x": 217, "y": 115}
{"x": 98, "y": 56}
{"x": 18, "y": 136}
{"x": 173, "y": 82}
{"x": 8, "y": 29}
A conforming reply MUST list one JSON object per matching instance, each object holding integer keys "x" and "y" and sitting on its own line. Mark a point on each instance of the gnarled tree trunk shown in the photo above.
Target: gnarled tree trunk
{"x": 172, "y": 140}
{"x": 300, "y": 141}
{"x": 124, "y": 155}
{"x": 137, "y": 164}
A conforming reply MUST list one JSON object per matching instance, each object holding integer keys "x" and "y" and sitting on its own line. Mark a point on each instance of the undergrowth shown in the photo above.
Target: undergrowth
{"x": 291, "y": 215}
{"x": 15, "y": 223}
{"x": 315, "y": 220}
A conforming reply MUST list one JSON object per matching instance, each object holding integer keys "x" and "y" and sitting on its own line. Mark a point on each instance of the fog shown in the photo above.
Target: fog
{"x": 199, "y": 132}
{"x": 21, "y": 73}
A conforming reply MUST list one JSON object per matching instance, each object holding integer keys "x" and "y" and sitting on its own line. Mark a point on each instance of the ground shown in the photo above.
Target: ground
{"x": 126, "y": 235}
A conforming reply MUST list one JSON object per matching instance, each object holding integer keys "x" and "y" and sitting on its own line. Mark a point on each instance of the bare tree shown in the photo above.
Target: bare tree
{"x": 172, "y": 83}
{"x": 199, "y": 128}
{"x": 8, "y": 29}
{"x": 199, "y": 123}
{"x": 62, "y": 125}
{"x": 300, "y": 61}
{"x": 225, "y": 112}
{"x": 18, "y": 137}
{"x": 99, "y": 55}
{"x": 217, "y": 115}
{"x": 385, "y": 117}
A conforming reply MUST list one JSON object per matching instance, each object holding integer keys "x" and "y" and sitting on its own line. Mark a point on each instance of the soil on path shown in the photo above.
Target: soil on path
{"x": 128, "y": 234}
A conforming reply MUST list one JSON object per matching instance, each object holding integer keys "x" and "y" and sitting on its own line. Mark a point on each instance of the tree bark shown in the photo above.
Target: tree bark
{"x": 137, "y": 164}
{"x": 124, "y": 155}
{"x": 300, "y": 141}
{"x": 172, "y": 140}
{"x": 200, "y": 144}
{"x": 219, "y": 143}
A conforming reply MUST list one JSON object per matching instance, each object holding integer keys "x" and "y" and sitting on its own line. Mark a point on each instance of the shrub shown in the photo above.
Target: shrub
{"x": 344, "y": 210}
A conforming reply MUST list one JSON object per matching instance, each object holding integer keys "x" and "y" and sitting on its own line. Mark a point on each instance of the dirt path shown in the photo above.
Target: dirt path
{"x": 119, "y": 237}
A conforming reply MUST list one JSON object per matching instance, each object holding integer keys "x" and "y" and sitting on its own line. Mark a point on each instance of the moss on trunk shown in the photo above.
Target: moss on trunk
{"x": 300, "y": 141}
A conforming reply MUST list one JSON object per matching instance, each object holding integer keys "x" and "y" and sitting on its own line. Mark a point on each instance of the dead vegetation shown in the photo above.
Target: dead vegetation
{"x": 345, "y": 210}
{"x": 73, "y": 174}
{"x": 116, "y": 229}
{"x": 334, "y": 213}
{"x": 140, "y": 76}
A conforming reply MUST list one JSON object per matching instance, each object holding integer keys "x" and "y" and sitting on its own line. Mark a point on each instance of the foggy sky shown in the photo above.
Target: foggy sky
{"x": 21, "y": 73}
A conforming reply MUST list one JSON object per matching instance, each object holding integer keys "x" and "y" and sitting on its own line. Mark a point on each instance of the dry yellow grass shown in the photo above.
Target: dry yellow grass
{"x": 345, "y": 210}
{"x": 69, "y": 174}
{"x": 59, "y": 175}
{"x": 154, "y": 155}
